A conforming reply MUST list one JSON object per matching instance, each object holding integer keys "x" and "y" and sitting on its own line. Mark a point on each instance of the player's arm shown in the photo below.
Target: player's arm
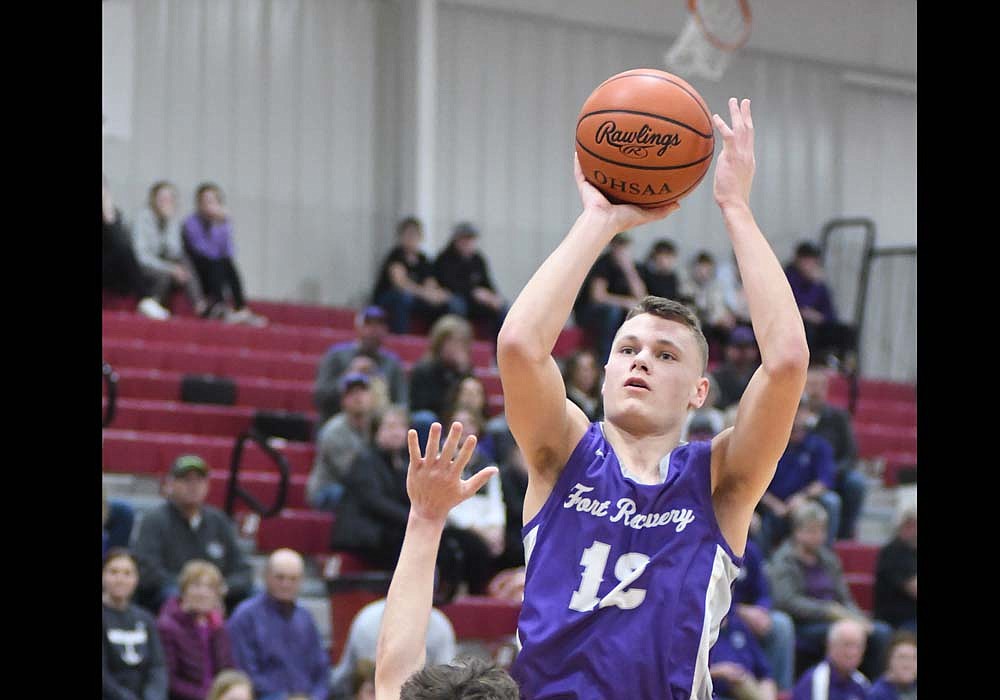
{"x": 434, "y": 485}
{"x": 544, "y": 422}
{"x": 745, "y": 456}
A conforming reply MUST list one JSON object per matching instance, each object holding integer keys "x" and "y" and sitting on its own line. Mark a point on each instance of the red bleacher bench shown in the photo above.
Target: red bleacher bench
{"x": 898, "y": 464}
{"x": 179, "y": 417}
{"x": 877, "y": 440}
{"x": 863, "y": 589}
{"x": 482, "y": 617}
{"x": 857, "y": 557}
{"x": 306, "y": 531}
{"x": 263, "y": 487}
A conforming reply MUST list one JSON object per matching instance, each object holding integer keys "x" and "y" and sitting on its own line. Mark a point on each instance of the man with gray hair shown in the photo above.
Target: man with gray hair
{"x": 275, "y": 639}
{"x": 837, "y": 676}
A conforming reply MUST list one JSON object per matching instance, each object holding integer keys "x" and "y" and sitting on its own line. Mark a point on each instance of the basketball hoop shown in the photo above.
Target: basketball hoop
{"x": 713, "y": 31}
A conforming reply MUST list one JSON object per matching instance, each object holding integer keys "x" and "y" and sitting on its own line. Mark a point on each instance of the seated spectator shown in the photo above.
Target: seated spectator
{"x": 339, "y": 441}
{"x": 737, "y": 664}
{"x": 470, "y": 395}
{"x": 508, "y": 584}
{"x": 834, "y": 424}
{"x": 363, "y": 681}
{"x": 231, "y": 685}
{"x": 406, "y": 286}
{"x": 121, "y": 272}
{"x": 275, "y": 640}
{"x": 183, "y": 528}
{"x": 156, "y": 236}
{"x": 371, "y": 327}
{"x": 363, "y": 636}
{"x": 195, "y": 642}
{"x": 708, "y": 421}
{"x": 772, "y": 628}
{"x": 371, "y": 516}
{"x": 702, "y": 288}
{"x": 117, "y": 517}
{"x": 435, "y": 376}
{"x": 837, "y": 676}
{"x": 805, "y": 472}
{"x": 658, "y": 271}
{"x": 825, "y": 334}
{"x": 208, "y": 242}
{"x": 462, "y": 270}
{"x": 733, "y": 296}
{"x": 132, "y": 656}
{"x": 582, "y": 376}
{"x": 807, "y": 582}
{"x": 899, "y": 682}
{"x": 741, "y": 358}
{"x": 896, "y": 575}
{"x": 612, "y": 287}
{"x": 362, "y": 364}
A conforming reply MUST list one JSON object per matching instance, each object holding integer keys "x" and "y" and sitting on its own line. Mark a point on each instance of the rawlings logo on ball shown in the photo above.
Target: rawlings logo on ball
{"x": 635, "y": 143}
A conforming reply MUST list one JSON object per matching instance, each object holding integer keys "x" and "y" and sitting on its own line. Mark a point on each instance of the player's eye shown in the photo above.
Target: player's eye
{"x": 626, "y": 350}
{"x": 666, "y": 356}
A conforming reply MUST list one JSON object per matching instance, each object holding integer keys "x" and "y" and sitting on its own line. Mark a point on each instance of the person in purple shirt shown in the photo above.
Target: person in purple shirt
{"x": 824, "y": 331}
{"x": 194, "y": 637}
{"x": 900, "y": 679}
{"x": 837, "y": 676}
{"x": 738, "y": 665}
{"x": 806, "y": 471}
{"x": 208, "y": 242}
{"x": 275, "y": 639}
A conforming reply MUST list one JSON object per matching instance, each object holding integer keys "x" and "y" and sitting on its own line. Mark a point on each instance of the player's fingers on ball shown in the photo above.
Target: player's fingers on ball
{"x": 413, "y": 443}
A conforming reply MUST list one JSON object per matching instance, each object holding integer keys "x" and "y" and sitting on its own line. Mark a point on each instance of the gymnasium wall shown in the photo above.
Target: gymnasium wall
{"x": 303, "y": 111}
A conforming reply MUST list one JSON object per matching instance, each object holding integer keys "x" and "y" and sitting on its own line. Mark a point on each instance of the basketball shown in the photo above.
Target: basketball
{"x": 645, "y": 137}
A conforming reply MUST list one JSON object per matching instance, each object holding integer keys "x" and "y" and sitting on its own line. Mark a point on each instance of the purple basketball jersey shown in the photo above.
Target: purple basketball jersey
{"x": 626, "y": 583}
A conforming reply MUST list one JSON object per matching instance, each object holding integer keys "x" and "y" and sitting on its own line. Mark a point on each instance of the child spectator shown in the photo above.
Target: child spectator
{"x": 899, "y": 682}
{"x": 462, "y": 270}
{"x": 896, "y": 574}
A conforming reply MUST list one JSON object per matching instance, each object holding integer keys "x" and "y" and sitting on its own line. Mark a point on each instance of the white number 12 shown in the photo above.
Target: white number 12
{"x": 628, "y": 568}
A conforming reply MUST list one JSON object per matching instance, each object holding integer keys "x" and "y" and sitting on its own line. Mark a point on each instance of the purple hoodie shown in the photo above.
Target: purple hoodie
{"x": 193, "y": 654}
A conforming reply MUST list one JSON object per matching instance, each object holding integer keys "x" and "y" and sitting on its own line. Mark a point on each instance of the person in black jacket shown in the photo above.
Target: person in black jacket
{"x": 896, "y": 575}
{"x": 462, "y": 270}
{"x": 435, "y": 377}
{"x": 132, "y": 656}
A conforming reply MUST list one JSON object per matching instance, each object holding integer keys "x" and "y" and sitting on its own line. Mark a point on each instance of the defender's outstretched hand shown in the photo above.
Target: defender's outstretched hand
{"x": 625, "y": 216}
{"x": 434, "y": 482}
{"x": 735, "y": 166}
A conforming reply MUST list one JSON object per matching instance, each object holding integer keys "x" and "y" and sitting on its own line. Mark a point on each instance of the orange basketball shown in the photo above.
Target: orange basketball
{"x": 645, "y": 137}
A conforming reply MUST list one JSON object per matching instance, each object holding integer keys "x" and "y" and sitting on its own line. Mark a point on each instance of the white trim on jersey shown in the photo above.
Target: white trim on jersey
{"x": 821, "y": 681}
{"x": 718, "y": 597}
{"x": 529, "y": 544}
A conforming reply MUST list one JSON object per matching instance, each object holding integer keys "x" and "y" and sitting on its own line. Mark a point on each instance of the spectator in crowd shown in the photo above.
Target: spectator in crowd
{"x": 275, "y": 639}
{"x": 435, "y": 376}
{"x": 362, "y": 364}
{"x": 339, "y": 441}
{"x": 582, "y": 376}
{"x": 372, "y": 513}
{"x": 772, "y": 628}
{"x": 837, "y": 676}
{"x": 805, "y": 472}
{"x": 156, "y": 236}
{"x": 132, "y": 657}
{"x": 707, "y": 421}
{"x": 896, "y": 574}
{"x": 406, "y": 286}
{"x": 807, "y": 582}
{"x": 462, "y": 270}
{"x": 231, "y": 685}
{"x": 658, "y": 271}
{"x": 508, "y": 584}
{"x": 701, "y": 287}
{"x": 185, "y": 528}
{"x": 740, "y": 361}
{"x": 363, "y": 681}
{"x": 899, "y": 682}
{"x": 362, "y": 637}
{"x": 825, "y": 334}
{"x": 834, "y": 424}
{"x": 118, "y": 518}
{"x": 470, "y": 395}
{"x": 612, "y": 287}
{"x": 121, "y": 272}
{"x": 195, "y": 642}
{"x": 208, "y": 242}
{"x": 738, "y": 666}
{"x": 731, "y": 284}
{"x": 371, "y": 326}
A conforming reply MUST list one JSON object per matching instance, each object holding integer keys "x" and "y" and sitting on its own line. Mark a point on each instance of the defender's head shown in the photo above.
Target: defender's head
{"x": 464, "y": 679}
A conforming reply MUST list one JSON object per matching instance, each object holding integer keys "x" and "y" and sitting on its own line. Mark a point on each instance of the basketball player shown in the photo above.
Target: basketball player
{"x": 633, "y": 539}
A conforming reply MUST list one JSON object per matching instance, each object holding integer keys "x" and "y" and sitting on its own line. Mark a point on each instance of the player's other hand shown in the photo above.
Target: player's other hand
{"x": 735, "y": 166}
{"x": 621, "y": 216}
{"x": 434, "y": 481}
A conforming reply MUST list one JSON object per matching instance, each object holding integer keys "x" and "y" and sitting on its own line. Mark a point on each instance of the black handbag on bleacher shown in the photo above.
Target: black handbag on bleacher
{"x": 207, "y": 388}
{"x": 284, "y": 424}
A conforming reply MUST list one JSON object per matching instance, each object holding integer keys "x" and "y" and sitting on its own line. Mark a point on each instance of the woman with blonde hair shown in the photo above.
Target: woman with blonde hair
{"x": 231, "y": 685}
{"x": 195, "y": 641}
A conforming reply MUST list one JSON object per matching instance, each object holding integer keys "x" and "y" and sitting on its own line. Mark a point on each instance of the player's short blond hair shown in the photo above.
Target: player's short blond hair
{"x": 674, "y": 311}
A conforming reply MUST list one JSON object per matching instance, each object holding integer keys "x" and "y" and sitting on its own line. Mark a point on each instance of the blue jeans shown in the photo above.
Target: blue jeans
{"x": 779, "y": 647}
{"x": 852, "y": 487}
{"x": 421, "y": 422}
{"x": 402, "y": 306}
{"x": 328, "y": 497}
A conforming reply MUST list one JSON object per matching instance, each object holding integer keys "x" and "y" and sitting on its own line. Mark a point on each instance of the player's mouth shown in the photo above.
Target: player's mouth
{"x": 637, "y": 382}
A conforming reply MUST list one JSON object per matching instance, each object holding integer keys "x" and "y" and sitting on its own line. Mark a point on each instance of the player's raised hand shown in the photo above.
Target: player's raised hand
{"x": 434, "y": 480}
{"x": 623, "y": 216}
{"x": 735, "y": 166}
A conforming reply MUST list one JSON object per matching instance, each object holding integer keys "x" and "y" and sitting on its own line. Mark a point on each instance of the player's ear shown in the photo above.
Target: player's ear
{"x": 699, "y": 394}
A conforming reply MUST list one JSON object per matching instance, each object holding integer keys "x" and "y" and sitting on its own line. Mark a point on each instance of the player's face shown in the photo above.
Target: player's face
{"x": 653, "y": 376}
{"x": 903, "y": 663}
